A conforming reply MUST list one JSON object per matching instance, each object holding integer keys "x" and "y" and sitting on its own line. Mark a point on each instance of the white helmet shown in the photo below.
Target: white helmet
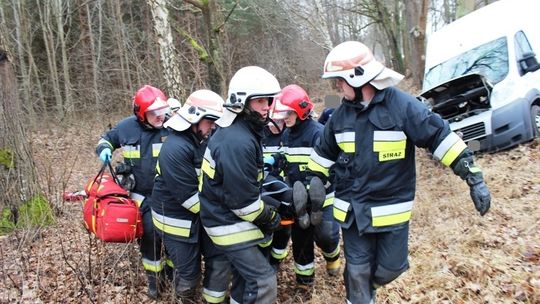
{"x": 247, "y": 83}
{"x": 354, "y": 62}
{"x": 200, "y": 104}
{"x": 174, "y": 104}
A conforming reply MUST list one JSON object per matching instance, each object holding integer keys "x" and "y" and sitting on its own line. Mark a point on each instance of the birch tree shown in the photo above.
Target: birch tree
{"x": 168, "y": 55}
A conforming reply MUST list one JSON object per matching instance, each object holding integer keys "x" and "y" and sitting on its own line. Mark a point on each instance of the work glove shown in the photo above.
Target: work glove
{"x": 479, "y": 193}
{"x": 464, "y": 167}
{"x": 105, "y": 155}
{"x": 269, "y": 220}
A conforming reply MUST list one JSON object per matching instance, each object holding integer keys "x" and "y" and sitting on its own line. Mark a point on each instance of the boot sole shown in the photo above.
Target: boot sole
{"x": 317, "y": 194}
{"x": 300, "y": 198}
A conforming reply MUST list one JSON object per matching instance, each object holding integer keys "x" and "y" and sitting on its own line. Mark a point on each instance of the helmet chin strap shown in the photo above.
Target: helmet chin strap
{"x": 358, "y": 96}
{"x": 254, "y": 118}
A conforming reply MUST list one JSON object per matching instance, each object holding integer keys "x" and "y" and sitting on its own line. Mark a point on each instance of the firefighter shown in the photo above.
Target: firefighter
{"x": 232, "y": 211}
{"x": 315, "y": 223}
{"x": 175, "y": 208}
{"x": 140, "y": 136}
{"x": 370, "y": 142}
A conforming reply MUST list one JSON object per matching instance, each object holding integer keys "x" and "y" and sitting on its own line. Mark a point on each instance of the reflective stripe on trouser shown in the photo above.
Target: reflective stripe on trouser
{"x": 280, "y": 239}
{"x": 150, "y": 244}
{"x": 253, "y": 279}
{"x": 217, "y": 271}
{"x": 186, "y": 258}
{"x": 389, "y": 250}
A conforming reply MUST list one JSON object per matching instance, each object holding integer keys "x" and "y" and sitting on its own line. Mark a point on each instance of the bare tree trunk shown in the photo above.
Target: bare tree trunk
{"x": 169, "y": 57}
{"x": 18, "y": 179}
{"x": 48, "y": 40}
{"x": 415, "y": 37}
{"x": 23, "y": 69}
{"x": 390, "y": 27}
{"x": 58, "y": 14}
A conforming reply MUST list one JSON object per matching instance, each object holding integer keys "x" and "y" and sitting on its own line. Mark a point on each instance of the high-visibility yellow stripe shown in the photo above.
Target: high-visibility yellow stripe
{"x": 207, "y": 169}
{"x": 303, "y": 159}
{"x": 393, "y": 219}
{"x": 192, "y": 203}
{"x": 453, "y": 153}
{"x": 333, "y": 253}
{"x": 169, "y": 262}
{"x": 329, "y": 199}
{"x": 155, "y": 149}
{"x": 265, "y": 244}
{"x": 347, "y": 147}
{"x": 237, "y": 238}
{"x": 251, "y": 211}
{"x": 306, "y": 270}
{"x": 211, "y": 296}
{"x": 104, "y": 141}
{"x": 313, "y": 166}
{"x": 158, "y": 169}
{"x": 339, "y": 215}
{"x": 171, "y": 229}
{"x": 154, "y": 266}
{"x": 379, "y": 146}
{"x": 131, "y": 153}
{"x": 279, "y": 254}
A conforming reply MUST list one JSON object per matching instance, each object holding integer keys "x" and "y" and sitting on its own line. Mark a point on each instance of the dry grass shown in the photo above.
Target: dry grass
{"x": 456, "y": 256}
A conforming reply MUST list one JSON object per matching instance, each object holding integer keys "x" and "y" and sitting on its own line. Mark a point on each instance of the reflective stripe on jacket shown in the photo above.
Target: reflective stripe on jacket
{"x": 140, "y": 148}
{"x": 230, "y": 194}
{"x": 371, "y": 152}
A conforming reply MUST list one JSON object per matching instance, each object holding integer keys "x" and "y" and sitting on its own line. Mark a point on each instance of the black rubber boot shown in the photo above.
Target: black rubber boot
{"x": 300, "y": 197}
{"x": 153, "y": 289}
{"x": 317, "y": 196}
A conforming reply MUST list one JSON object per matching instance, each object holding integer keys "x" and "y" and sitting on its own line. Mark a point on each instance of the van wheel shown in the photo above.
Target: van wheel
{"x": 535, "y": 119}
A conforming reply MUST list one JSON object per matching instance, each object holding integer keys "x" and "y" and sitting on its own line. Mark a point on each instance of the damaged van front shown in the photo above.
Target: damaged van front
{"x": 486, "y": 82}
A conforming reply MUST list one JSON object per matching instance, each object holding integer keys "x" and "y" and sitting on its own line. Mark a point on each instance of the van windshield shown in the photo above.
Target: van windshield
{"x": 489, "y": 60}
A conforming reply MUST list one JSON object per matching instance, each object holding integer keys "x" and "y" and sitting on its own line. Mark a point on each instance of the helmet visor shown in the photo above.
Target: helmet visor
{"x": 157, "y": 112}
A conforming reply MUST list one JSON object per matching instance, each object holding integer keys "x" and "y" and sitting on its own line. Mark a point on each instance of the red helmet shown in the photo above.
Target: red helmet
{"x": 296, "y": 98}
{"x": 146, "y": 99}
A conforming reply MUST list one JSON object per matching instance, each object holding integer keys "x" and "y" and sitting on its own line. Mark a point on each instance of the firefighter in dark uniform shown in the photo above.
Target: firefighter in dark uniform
{"x": 299, "y": 138}
{"x": 370, "y": 142}
{"x": 232, "y": 211}
{"x": 175, "y": 200}
{"x": 140, "y": 136}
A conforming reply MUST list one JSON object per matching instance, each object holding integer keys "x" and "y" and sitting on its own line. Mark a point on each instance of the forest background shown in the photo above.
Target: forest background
{"x": 69, "y": 69}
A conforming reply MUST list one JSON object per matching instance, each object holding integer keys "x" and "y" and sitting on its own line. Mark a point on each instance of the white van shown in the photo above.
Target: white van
{"x": 482, "y": 74}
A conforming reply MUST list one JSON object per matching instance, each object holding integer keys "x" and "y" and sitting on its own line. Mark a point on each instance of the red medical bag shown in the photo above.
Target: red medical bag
{"x": 108, "y": 211}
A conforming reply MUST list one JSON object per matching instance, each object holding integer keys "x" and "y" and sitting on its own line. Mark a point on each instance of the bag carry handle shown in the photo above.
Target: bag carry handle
{"x": 100, "y": 177}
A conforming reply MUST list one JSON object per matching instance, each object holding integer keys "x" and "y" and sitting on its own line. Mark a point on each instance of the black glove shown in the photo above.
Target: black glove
{"x": 479, "y": 193}
{"x": 464, "y": 167}
{"x": 269, "y": 220}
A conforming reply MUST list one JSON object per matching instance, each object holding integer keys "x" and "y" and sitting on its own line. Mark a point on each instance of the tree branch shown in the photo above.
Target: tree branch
{"x": 218, "y": 28}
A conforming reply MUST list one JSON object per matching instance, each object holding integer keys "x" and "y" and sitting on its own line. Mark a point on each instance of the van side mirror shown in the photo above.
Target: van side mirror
{"x": 528, "y": 63}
